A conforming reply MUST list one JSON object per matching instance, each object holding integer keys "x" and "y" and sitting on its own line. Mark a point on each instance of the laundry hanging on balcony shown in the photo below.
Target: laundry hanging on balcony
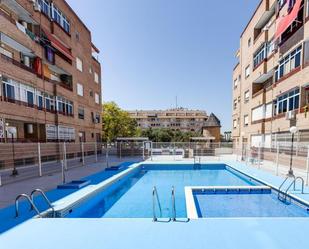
{"x": 58, "y": 45}
{"x": 288, "y": 19}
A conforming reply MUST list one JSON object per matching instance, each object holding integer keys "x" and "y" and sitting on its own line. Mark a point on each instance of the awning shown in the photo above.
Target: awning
{"x": 264, "y": 77}
{"x": 16, "y": 45}
{"x": 287, "y": 20}
{"x": 58, "y": 45}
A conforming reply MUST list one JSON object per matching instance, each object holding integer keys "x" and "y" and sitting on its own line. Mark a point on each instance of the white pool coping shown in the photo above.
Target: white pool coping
{"x": 191, "y": 205}
{"x": 64, "y": 205}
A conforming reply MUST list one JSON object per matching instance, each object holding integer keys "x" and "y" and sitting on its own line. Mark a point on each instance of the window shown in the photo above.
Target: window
{"x": 234, "y": 123}
{"x": 247, "y": 96}
{"x": 246, "y": 120}
{"x": 56, "y": 14}
{"x": 260, "y": 55}
{"x": 235, "y": 83}
{"x": 8, "y": 90}
{"x": 268, "y": 110}
{"x": 281, "y": 3}
{"x": 80, "y": 89}
{"x": 45, "y": 6}
{"x": 91, "y": 93}
{"x": 235, "y": 104}
{"x": 249, "y": 42}
{"x": 40, "y": 101}
{"x": 49, "y": 103}
{"x": 247, "y": 71}
{"x": 256, "y": 140}
{"x": 81, "y": 113}
{"x": 60, "y": 18}
{"x": 288, "y": 63}
{"x": 97, "y": 118}
{"x": 64, "y": 106}
{"x": 30, "y": 98}
{"x": 271, "y": 47}
{"x": 97, "y": 98}
{"x": 287, "y": 102}
{"x": 79, "y": 64}
{"x": 96, "y": 78}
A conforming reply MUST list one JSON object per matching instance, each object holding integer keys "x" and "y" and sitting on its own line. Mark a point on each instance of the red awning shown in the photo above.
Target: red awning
{"x": 286, "y": 21}
{"x": 57, "y": 44}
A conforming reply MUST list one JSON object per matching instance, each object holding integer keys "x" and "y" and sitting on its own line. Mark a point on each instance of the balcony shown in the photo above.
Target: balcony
{"x": 266, "y": 11}
{"x": 24, "y": 21}
{"x": 57, "y": 75}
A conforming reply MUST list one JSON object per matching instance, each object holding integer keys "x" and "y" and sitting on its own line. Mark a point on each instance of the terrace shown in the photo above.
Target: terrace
{"x": 263, "y": 167}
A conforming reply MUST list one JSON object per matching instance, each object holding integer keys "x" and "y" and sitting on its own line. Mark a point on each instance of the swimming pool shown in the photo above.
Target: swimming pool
{"x": 131, "y": 196}
{"x": 245, "y": 203}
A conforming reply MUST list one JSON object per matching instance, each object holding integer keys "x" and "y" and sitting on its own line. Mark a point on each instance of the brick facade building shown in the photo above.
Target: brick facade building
{"x": 50, "y": 77}
{"x": 270, "y": 82}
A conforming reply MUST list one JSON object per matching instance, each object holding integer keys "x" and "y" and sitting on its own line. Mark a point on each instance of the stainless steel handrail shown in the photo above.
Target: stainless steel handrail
{"x": 44, "y": 196}
{"x": 29, "y": 200}
{"x": 155, "y": 198}
{"x": 173, "y": 205}
{"x": 293, "y": 183}
{"x": 281, "y": 186}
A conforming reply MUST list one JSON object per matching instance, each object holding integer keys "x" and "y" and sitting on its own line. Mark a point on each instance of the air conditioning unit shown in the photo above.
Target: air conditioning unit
{"x": 290, "y": 115}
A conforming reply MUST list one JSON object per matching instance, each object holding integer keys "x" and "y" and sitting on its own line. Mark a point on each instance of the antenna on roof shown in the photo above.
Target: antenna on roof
{"x": 176, "y": 102}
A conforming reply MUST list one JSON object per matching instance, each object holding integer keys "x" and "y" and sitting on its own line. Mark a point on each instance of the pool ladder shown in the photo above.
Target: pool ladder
{"x": 282, "y": 195}
{"x": 197, "y": 163}
{"x": 156, "y": 200}
{"x": 30, "y": 199}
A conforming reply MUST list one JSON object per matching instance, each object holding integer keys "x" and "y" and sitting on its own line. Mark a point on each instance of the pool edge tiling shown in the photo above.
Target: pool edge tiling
{"x": 214, "y": 233}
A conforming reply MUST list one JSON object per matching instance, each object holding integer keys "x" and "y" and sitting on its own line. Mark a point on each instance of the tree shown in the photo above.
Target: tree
{"x": 168, "y": 135}
{"x": 117, "y": 123}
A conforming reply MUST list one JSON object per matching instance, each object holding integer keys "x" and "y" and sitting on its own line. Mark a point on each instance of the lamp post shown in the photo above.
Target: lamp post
{"x": 293, "y": 130}
{"x": 80, "y": 143}
{"x": 12, "y": 130}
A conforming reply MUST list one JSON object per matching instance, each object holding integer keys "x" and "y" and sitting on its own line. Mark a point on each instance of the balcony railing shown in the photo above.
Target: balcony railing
{"x": 18, "y": 64}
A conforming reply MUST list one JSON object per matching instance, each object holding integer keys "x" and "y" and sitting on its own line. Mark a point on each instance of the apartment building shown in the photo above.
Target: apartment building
{"x": 49, "y": 74}
{"x": 271, "y": 80}
{"x": 176, "y": 119}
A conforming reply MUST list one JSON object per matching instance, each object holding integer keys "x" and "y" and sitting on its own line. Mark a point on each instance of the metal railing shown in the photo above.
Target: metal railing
{"x": 45, "y": 198}
{"x": 155, "y": 200}
{"x": 173, "y": 205}
{"x": 39, "y": 159}
{"x": 32, "y": 205}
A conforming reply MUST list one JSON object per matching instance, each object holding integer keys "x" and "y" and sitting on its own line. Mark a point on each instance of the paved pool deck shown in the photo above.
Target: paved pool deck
{"x": 225, "y": 233}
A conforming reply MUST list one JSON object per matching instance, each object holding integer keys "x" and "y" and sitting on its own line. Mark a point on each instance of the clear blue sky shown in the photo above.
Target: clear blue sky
{"x": 153, "y": 50}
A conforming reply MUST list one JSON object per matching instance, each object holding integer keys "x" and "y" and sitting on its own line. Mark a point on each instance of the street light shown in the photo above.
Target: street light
{"x": 80, "y": 143}
{"x": 293, "y": 130}
{"x": 12, "y": 131}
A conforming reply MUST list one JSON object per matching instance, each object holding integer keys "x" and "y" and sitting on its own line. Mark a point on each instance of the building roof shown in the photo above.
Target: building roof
{"x": 212, "y": 121}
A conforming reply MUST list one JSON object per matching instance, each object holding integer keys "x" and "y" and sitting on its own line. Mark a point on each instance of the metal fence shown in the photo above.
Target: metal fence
{"x": 39, "y": 159}
{"x": 276, "y": 158}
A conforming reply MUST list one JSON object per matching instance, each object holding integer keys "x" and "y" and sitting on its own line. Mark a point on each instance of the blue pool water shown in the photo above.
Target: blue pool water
{"x": 245, "y": 205}
{"x": 132, "y": 198}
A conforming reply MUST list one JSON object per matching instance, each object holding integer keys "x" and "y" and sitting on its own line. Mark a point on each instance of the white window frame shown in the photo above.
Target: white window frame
{"x": 97, "y": 98}
{"x": 80, "y": 89}
{"x": 79, "y": 64}
{"x": 246, "y": 96}
{"x": 96, "y": 77}
{"x": 247, "y": 71}
{"x": 246, "y": 120}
